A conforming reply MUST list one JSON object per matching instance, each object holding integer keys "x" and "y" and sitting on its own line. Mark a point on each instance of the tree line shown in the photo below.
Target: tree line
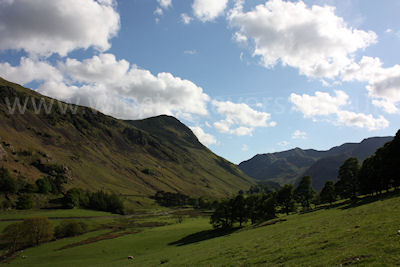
{"x": 379, "y": 172}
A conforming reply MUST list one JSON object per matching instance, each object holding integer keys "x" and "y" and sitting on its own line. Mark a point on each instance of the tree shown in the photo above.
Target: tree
{"x": 239, "y": 211}
{"x": 252, "y": 203}
{"x": 304, "y": 192}
{"x": 285, "y": 198}
{"x": 7, "y": 183}
{"x": 24, "y": 202}
{"x": 75, "y": 197}
{"x": 347, "y": 185}
{"x": 328, "y": 194}
{"x": 222, "y": 216}
{"x": 13, "y": 235}
{"x": 69, "y": 228}
{"x": 44, "y": 185}
{"x": 38, "y": 230}
{"x": 267, "y": 207}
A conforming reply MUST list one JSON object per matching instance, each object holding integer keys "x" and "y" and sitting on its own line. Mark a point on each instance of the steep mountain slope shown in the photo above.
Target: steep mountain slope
{"x": 98, "y": 151}
{"x": 289, "y": 166}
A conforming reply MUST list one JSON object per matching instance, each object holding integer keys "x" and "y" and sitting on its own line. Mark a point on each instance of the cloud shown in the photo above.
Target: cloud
{"x": 186, "y": 19}
{"x": 165, "y": 3}
{"x": 241, "y": 116}
{"x": 283, "y": 143}
{"x": 299, "y": 135}
{"x": 204, "y": 138}
{"x": 360, "y": 120}
{"x": 29, "y": 70}
{"x": 245, "y": 148}
{"x": 209, "y": 10}
{"x": 320, "y": 104}
{"x": 325, "y": 105}
{"x": 313, "y": 40}
{"x": 43, "y": 27}
{"x": 112, "y": 86}
{"x": 190, "y": 52}
{"x": 383, "y": 83}
{"x": 158, "y": 11}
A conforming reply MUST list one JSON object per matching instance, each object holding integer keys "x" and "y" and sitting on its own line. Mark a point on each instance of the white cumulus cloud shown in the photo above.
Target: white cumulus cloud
{"x": 320, "y": 104}
{"x": 299, "y": 135}
{"x": 205, "y": 138}
{"x": 313, "y": 40}
{"x": 43, "y": 27}
{"x": 324, "y": 105}
{"x": 186, "y": 19}
{"x": 112, "y": 86}
{"x": 209, "y": 10}
{"x": 240, "y": 119}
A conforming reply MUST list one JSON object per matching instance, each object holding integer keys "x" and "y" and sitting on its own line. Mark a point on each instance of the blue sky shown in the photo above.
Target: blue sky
{"x": 248, "y": 77}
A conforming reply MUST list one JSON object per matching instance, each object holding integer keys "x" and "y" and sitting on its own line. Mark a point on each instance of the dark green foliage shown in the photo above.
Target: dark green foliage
{"x": 37, "y": 230}
{"x": 222, "y": 216}
{"x": 68, "y": 228}
{"x": 169, "y": 199}
{"x": 252, "y": 205}
{"x": 347, "y": 185}
{"x": 51, "y": 184}
{"x": 328, "y": 194}
{"x": 381, "y": 170}
{"x": 31, "y": 232}
{"x": 75, "y": 197}
{"x": 44, "y": 185}
{"x": 263, "y": 188}
{"x": 240, "y": 209}
{"x": 267, "y": 207}
{"x": 24, "y": 202}
{"x": 304, "y": 192}
{"x": 285, "y": 198}
{"x": 103, "y": 201}
{"x": 13, "y": 235}
{"x": 7, "y": 184}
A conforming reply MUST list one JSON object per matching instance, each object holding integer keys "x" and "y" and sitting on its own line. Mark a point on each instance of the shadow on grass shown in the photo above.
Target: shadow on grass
{"x": 203, "y": 235}
{"x": 369, "y": 199}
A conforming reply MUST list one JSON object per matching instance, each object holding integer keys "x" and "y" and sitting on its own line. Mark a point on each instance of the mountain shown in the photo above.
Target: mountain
{"x": 288, "y": 166}
{"x": 98, "y": 151}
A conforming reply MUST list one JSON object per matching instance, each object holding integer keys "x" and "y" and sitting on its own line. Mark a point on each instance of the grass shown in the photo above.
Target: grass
{"x": 55, "y": 213}
{"x": 364, "y": 234}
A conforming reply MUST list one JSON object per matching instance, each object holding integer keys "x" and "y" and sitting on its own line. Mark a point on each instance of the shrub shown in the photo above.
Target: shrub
{"x": 24, "y": 202}
{"x": 68, "y": 228}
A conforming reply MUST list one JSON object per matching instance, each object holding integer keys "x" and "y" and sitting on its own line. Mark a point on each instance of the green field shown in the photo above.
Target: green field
{"x": 365, "y": 234}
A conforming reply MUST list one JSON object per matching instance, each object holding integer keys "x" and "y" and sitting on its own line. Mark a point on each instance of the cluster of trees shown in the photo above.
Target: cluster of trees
{"x": 377, "y": 173}
{"x": 170, "y": 199}
{"x": 54, "y": 185}
{"x": 98, "y": 200}
{"x": 381, "y": 171}
{"x": 241, "y": 209}
{"x": 260, "y": 207}
{"x": 36, "y": 230}
{"x": 10, "y": 186}
{"x": 31, "y": 232}
{"x": 68, "y": 228}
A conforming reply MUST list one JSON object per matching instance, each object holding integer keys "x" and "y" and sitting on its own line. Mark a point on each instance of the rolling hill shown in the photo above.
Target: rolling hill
{"x": 288, "y": 166}
{"x": 97, "y": 151}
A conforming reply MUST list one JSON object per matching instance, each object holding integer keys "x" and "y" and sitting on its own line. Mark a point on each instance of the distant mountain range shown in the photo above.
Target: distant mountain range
{"x": 101, "y": 152}
{"x": 288, "y": 166}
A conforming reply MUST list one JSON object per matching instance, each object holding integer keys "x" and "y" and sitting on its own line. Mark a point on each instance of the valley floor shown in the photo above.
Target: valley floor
{"x": 365, "y": 234}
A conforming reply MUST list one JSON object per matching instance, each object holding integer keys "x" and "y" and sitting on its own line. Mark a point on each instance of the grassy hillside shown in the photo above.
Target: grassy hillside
{"x": 97, "y": 151}
{"x": 365, "y": 234}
